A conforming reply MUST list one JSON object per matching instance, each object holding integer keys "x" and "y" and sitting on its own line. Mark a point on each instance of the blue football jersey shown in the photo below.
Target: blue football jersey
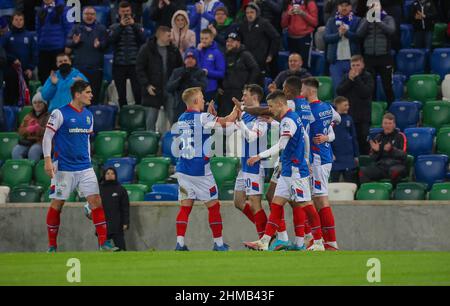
{"x": 71, "y": 141}
{"x": 302, "y": 108}
{"x": 323, "y": 116}
{"x": 250, "y": 149}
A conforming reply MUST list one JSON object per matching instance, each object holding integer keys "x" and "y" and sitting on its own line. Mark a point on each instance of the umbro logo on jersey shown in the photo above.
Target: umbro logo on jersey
{"x": 73, "y": 120}
{"x": 115, "y": 194}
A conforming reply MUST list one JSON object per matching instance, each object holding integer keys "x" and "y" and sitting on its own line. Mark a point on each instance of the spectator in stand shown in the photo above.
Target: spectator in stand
{"x": 126, "y": 38}
{"x": 388, "y": 150}
{"x": 260, "y": 38}
{"x": 271, "y": 11}
{"x": 3, "y": 63}
{"x": 221, "y": 27}
{"x": 202, "y": 14}
{"x": 295, "y": 63}
{"x": 188, "y": 76}
{"x": 154, "y": 65}
{"x": 212, "y": 62}
{"x": 424, "y": 15}
{"x": 182, "y": 37}
{"x": 357, "y": 86}
{"x": 301, "y": 19}
{"x": 161, "y": 11}
{"x": 32, "y": 130}
{"x": 345, "y": 146}
{"x": 56, "y": 89}
{"x": 242, "y": 69}
{"x": 342, "y": 41}
{"x": 52, "y": 29}
{"x": 377, "y": 37}
{"x": 136, "y": 7}
{"x": 88, "y": 42}
{"x": 20, "y": 47}
{"x": 116, "y": 206}
{"x": 330, "y": 8}
{"x": 394, "y": 8}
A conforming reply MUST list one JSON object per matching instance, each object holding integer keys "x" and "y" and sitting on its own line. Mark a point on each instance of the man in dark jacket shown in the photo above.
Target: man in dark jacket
{"x": 221, "y": 27}
{"x": 377, "y": 36}
{"x": 2, "y": 67}
{"x": 52, "y": 28}
{"x": 155, "y": 63}
{"x": 188, "y": 76}
{"x": 260, "y": 38}
{"x": 161, "y": 11}
{"x": 388, "y": 150}
{"x": 117, "y": 207}
{"x": 357, "y": 87}
{"x": 126, "y": 38}
{"x": 242, "y": 69}
{"x": 89, "y": 40}
{"x": 295, "y": 63}
{"x": 21, "y": 51}
{"x": 423, "y": 17}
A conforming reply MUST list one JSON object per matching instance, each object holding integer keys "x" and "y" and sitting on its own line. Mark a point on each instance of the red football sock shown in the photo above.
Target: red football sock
{"x": 53, "y": 221}
{"x": 299, "y": 221}
{"x": 282, "y": 225}
{"x": 248, "y": 212}
{"x": 260, "y": 222}
{"x": 98, "y": 218}
{"x": 328, "y": 226}
{"x": 182, "y": 220}
{"x": 314, "y": 221}
{"x": 215, "y": 220}
{"x": 273, "y": 224}
{"x": 307, "y": 226}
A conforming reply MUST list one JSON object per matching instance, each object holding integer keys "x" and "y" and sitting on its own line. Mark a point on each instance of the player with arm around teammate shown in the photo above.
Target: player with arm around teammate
{"x": 70, "y": 127}
{"x": 193, "y": 170}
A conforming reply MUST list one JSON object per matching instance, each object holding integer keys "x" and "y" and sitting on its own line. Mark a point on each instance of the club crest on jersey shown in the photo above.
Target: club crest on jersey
{"x": 317, "y": 185}
{"x": 52, "y": 189}
{"x": 255, "y": 186}
{"x": 299, "y": 192}
{"x": 212, "y": 191}
{"x": 88, "y": 120}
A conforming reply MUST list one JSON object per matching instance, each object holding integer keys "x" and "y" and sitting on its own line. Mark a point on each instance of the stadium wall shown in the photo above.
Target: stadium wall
{"x": 361, "y": 225}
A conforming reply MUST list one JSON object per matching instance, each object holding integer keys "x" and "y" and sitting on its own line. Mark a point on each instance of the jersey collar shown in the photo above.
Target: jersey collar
{"x": 289, "y": 111}
{"x": 300, "y": 97}
{"x": 315, "y": 102}
{"x": 72, "y": 107}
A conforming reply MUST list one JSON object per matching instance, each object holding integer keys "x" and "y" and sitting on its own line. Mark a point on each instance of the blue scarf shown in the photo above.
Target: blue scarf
{"x": 347, "y": 20}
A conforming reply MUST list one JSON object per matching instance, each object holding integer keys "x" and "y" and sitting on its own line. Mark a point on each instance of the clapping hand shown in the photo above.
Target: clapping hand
{"x": 211, "y": 108}
{"x": 54, "y": 77}
{"x": 375, "y": 145}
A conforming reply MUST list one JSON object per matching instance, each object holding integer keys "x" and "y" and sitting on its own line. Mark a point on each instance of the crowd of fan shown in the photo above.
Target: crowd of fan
{"x": 219, "y": 45}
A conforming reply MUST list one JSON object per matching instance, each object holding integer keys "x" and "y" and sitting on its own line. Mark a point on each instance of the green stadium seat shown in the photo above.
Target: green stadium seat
{"x": 40, "y": 176}
{"x": 439, "y": 34}
{"x": 326, "y": 91}
{"x": 224, "y": 169}
{"x": 436, "y": 114}
{"x": 226, "y": 191}
{"x": 23, "y": 112}
{"x": 132, "y": 118}
{"x": 17, "y": 172}
{"x": 109, "y": 144}
{"x": 443, "y": 141}
{"x": 423, "y": 87}
{"x": 152, "y": 170}
{"x": 25, "y": 194}
{"x": 440, "y": 192}
{"x": 378, "y": 110}
{"x": 136, "y": 192}
{"x": 33, "y": 87}
{"x": 143, "y": 144}
{"x": 374, "y": 191}
{"x": 8, "y": 140}
{"x": 410, "y": 191}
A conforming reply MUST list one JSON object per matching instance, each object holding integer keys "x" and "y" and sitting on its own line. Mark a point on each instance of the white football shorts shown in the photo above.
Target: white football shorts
{"x": 202, "y": 188}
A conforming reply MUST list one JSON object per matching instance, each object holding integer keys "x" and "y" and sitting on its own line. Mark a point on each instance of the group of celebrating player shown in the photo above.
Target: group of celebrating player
{"x": 301, "y": 177}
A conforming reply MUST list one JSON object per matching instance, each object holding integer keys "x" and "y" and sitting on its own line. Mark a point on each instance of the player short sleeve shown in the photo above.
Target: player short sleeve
{"x": 55, "y": 120}
{"x": 208, "y": 120}
{"x": 291, "y": 104}
{"x": 287, "y": 127}
{"x": 91, "y": 128}
{"x": 260, "y": 127}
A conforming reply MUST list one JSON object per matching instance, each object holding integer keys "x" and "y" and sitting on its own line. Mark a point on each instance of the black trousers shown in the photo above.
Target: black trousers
{"x": 119, "y": 240}
{"x": 120, "y": 76}
{"x": 11, "y": 90}
{"x": 47, "y": 63}
{"x": 375, "y": 173}
{"x": 95, "y": 78}
{"x": 362, "y": 132}
{"x": 383, "y": 66}
{"x": 349, "y": 176}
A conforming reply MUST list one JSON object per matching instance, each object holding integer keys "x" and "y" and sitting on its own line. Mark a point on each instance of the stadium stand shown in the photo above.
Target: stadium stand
{"x": 440, "y": 192}
{"x": 104, "y": 117}
{"x": 411, "y": 61}
{"x": 136, "y": 192}
{"x": 436, "y": 114}
{"x": 342, "y": 191}
{"x": 423, "y": 87}
{"x": 407, "y": 114}
{"x": 420, "y": 140}
{"x": 109, "y": 144}
{"x": 25, "y": 194}
{"x": 443, "y": 141}
{"x": 440, "y": 62}
{"x": 132, "y": 118}
{"x": 40, "y": 176}
{"x": 124, "y": 167}
{"x": 374, "y": 191}
{"x": 17, "y": 172}
{"x": 4, "y": 192}
{"x": 224, "y": 169}
{"x": 431, "y": 169}
{"x": 326, "y": 90}
{"x": 8, "y": 141}
{"x": 410, "y": 191}
{"x": 10, "y": 115}
{"x": 446, "y": 88}
{"x": 152, "y": 170}
{"x": 143, "y": 144}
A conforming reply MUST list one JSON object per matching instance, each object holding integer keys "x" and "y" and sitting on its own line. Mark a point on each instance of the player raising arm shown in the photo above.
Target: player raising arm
{"x": 69, "y": 127}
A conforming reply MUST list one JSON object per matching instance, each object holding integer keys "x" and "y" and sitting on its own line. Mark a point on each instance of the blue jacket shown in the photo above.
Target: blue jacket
{"x": 59, "y": 95}
{"x": 345, "y": 146}
{"x": 52, "y": 27}
{"x": 212, "y": 60}
{"x": 195, "y": 19}
{"x": 21, "y": 45}
{"x": 332, "y": 38}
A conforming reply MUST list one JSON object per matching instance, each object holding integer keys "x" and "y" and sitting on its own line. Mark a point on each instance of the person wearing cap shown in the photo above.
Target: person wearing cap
{"x": 342, "y": 41}
{"x": 188, "y": 76}
{"x": 259, "y": 37}
{"x": 32, "y": 130}
{"x": 222, "y": 26}
{"x": 242, "y": 69}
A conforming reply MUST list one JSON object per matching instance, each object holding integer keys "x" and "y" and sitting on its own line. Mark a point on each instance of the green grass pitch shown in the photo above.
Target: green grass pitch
{"x": 231, "y": 268}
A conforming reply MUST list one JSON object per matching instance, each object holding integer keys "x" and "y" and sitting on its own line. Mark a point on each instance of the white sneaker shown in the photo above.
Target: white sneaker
{"x": 257, "y": 245}
{"x": 317, "y": 246}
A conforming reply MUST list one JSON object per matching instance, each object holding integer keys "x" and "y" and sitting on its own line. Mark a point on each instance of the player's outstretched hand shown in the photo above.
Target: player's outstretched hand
{"x": 48, "y": 167}
{"x": 253, "y": 160}
{"x": 236, "y": 102}
{"x": 211, "y": 108}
